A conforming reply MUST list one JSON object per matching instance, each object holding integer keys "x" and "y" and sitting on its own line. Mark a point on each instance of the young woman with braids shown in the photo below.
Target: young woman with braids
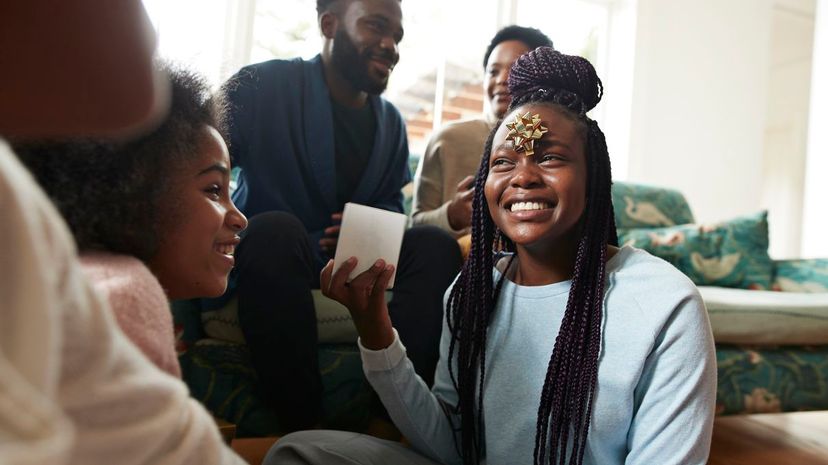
{"x": 558, "y": 347}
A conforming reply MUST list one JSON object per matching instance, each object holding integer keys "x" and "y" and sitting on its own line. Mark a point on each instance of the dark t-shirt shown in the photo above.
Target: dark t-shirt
{"x": 354, "y": 133}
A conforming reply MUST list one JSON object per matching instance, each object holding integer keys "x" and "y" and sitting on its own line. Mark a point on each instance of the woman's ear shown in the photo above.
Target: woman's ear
{"x": 328, "y": 22}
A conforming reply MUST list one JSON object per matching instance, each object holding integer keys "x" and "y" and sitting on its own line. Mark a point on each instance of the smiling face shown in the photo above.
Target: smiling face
{"x": 497, "y": 74}
{"x": 538, "y": 200}
{"x": 365, "y": 46}
{"x": 201, "y": 226}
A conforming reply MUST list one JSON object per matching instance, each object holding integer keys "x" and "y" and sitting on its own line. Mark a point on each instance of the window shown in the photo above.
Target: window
{"x": 439, "y": 77}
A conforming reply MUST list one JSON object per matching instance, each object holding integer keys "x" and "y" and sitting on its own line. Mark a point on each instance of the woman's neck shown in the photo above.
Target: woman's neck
{"x": 535, "y": 267}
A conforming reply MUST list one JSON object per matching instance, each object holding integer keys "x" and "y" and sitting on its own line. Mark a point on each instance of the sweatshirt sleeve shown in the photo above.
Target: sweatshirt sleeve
{"x": 428, "y": 184}
{"x": 675, "y": 397}
{"x": 139, "y": 304}
{"x": 122, "y": 407}
{"x": 429, "y": 205}
{"x": 425, "y": 417}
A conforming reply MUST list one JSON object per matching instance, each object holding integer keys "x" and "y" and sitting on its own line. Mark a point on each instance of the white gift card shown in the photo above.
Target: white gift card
{"x": 369, "y": 234}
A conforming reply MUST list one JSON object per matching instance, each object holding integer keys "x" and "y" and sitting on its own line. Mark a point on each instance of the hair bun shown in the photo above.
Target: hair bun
{"x": 547, "y": 69}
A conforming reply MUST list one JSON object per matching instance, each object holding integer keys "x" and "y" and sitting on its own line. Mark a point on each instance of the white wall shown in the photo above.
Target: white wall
{"x": 699, "y": 101}
{"x": 618, "y": 84}
{"x": 792, "y": 36}
{"x": 815, "y": 225}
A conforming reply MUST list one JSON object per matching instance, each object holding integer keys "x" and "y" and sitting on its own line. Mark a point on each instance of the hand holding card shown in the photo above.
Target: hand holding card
{"x": 369, "y": 234}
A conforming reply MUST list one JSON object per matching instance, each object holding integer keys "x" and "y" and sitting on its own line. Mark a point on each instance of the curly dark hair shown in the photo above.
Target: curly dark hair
{"x": 570, "y": 85}
{"x": 533, "y": 38}
{"x": 113, "y": 195}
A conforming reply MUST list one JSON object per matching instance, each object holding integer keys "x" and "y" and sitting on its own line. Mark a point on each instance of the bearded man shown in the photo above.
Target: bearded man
{"x": 309, "y": 136}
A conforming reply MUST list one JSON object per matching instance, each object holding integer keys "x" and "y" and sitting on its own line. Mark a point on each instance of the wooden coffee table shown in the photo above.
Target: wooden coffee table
{"x": 771, "y": 439}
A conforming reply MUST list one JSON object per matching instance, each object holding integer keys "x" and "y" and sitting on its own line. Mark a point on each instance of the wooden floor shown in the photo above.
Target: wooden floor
{"x": 771, "y": 439}
{"x": 774, "y": 439}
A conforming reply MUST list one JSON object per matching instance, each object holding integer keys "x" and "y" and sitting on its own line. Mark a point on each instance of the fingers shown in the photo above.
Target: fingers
{"x": 377, "y": 296}
{"x": 466, "y": 184}
{"x": 340, "y": 277}
{"x": 367, "y": 286}
{"x": 365, "y": 281}
{"x": 325, "y": 278}
{"x": 382, "y": 282}
{"x": 328, "y": 243}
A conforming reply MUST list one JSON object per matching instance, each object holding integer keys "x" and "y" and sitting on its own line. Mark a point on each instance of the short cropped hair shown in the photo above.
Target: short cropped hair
{"x": 533, "y": 38}
{"x": 325, "y": 5}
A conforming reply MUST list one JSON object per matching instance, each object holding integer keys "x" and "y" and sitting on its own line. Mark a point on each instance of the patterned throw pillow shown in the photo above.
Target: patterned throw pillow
{"x": 801, "y": 275}
{"x": 729, "y": 254}
{"x": 642, "y": 206}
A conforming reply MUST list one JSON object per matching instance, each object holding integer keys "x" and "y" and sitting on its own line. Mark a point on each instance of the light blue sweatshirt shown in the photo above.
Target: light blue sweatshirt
{"x": 655, "y": 397}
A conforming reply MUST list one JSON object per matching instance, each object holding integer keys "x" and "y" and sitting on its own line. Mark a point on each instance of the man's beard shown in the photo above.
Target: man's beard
{"x": 354, "y": 66}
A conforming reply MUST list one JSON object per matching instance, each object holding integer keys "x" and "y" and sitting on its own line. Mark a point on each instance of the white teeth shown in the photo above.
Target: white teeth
{"x": 525, "y": 206}
{"x": 226, "y": 249}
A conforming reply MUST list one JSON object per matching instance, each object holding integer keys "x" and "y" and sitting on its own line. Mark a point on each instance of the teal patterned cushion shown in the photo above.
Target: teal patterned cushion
{"x": 801, "y": 275}
{"x": 771, "y": 379}
{"x": 729, "y": 254}
{"x": 187, "y": 323}
{"x": 641, "y": 206}
{"x": 220, "y": 375}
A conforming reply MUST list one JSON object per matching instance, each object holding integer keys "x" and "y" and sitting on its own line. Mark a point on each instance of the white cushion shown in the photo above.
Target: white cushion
{"x": 333, "y": 321}
{"x": 223, "y": 324}
{"x": 741, "y": 316}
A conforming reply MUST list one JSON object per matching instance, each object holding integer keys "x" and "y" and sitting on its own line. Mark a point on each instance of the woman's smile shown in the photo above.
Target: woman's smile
{"x": 529, "y": 210}
{"x": 226, "y": 250}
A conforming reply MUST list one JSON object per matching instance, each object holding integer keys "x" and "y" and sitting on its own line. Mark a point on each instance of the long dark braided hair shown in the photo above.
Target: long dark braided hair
{"x": 570, "y": 85}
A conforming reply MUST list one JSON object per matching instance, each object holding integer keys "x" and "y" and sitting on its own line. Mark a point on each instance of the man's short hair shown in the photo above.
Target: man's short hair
{"x": 324, "y": 5}
{"x": 533, "y": 38}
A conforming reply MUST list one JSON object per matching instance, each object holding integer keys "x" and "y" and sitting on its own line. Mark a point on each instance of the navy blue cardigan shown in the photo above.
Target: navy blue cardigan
{"x": 282, "y": 138}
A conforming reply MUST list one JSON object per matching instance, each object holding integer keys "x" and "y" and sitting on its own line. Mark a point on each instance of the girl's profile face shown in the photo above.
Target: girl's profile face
{"x": 200, "y": 231}
{"x": 538, "y": 200}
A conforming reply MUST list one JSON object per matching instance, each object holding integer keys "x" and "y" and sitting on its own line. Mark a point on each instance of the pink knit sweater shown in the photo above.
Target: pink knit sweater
{"x": 140, "y": 305}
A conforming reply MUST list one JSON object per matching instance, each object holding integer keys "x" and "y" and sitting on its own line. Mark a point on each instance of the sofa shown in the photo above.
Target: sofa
{"x": 769, "y": 318}
{"x": 215, "y": 364}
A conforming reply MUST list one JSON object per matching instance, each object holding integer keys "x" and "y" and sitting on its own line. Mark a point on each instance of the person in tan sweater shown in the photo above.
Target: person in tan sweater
{"x": 443, "y": 183}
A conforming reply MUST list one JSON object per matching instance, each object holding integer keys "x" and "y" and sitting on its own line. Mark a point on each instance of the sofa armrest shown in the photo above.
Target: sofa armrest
{"x": 801, "y": 275}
